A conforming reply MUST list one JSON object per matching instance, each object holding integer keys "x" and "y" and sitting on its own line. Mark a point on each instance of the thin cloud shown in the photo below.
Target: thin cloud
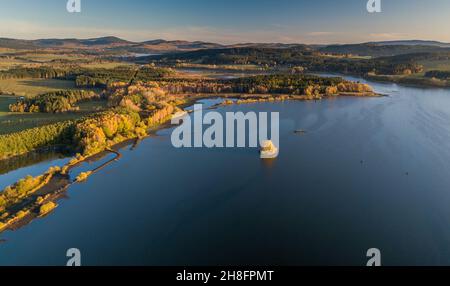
{"x": 389, "y": 36}
{"x": 320, "y": 34}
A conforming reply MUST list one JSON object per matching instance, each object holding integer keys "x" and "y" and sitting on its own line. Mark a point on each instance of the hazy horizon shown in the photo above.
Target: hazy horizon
{"x": 263, "y": 21}
{"x": 225, "y": 44}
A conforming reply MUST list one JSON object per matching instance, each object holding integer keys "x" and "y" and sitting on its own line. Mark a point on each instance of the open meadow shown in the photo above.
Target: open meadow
{"x": 14, "y": 122}
{"x": 33, "y": 87}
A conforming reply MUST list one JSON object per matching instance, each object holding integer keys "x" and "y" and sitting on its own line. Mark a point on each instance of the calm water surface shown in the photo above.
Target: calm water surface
{"x": 370, "y": 172}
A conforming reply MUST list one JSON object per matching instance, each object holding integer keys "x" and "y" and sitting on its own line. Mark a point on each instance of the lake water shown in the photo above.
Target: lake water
{"x": 370, "y": 173}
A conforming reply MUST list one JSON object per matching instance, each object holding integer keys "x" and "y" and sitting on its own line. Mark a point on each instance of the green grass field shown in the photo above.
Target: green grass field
{"x": 33, "y": 87}
{"x": 11, "y": 123}
{"x": 14, "y": 122}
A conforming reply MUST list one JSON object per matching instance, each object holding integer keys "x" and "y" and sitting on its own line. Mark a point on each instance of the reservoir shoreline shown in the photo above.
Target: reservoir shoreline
{"x": 60, "y": 181}
{"x": 370, "y": 172}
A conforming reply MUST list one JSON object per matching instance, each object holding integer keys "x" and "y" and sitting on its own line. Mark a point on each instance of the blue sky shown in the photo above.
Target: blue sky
{"x": 229, "y": 21}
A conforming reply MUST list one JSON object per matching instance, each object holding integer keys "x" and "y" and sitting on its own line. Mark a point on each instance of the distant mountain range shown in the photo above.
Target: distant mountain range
{"x": 110, "y": 43}
{"x": 159, "y": 46}
{"x": 413, "y": 43}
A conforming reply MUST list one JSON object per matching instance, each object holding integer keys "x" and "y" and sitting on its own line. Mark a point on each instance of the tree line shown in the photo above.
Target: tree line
{"x": 54, "y": 102}
{"x": 88, "y": 135}
{"x": 444, "y": 75}
{"x": 88, "y": 77}
{"x": 289, "y": 84}
{"x": 22, "y": 142}
{"x": 296, "y": 56}
{"x": 42, "y": 72}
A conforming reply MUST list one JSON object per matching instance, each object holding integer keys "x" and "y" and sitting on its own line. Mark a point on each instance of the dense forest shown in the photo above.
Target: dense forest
{"x": 54, "y": 102}
{"x": 19, "y": 143}
{"x": 87, "y": 135}
{"x": 286, "y": 84}
{"x": 88, "y": 77}
{"x": 438, "y": 74}
{"x": 103, "y": 77}
{"x": 380, "y": 50}
{"x": 306, "y": 58}
{"x": 384, "y": 66}
{"x": 247, "y": 55}
{"x": 97, "y": 132}
{"x": 38, "y": 72}
{"x": 295, "y": 85}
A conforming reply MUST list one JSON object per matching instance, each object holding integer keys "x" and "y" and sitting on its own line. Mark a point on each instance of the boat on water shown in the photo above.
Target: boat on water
{"x": 268, "y": 150}
{"x": 300, "y": 131}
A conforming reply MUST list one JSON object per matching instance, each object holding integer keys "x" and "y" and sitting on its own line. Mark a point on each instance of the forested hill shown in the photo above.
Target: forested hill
{"x": 382, "y": 50}
{"x": 107, "y": 43}
{"x": 302, "y": 57}
{"x": 241, "y": 55}
{"x": 160, "y": 46}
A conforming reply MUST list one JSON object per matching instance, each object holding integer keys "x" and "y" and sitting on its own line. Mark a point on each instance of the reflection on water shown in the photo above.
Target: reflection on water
{"x": 268, "y": 163}
{"x": 34, "y": 164}
{"x": 29, "y": 159}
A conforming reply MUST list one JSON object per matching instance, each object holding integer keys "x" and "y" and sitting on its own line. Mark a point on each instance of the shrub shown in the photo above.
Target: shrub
{"x": 46, "y": 208}
{"x": 83, "y": 176}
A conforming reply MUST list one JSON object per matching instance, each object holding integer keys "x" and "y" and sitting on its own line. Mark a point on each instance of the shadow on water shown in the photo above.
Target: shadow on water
{"x": 30, "y": 159}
